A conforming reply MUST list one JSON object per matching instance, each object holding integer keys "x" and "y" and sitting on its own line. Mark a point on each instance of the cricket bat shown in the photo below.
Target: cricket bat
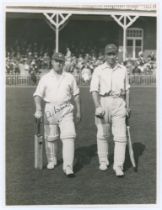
{"x": 38, "y": 145}
{"x": 130, "y": 147}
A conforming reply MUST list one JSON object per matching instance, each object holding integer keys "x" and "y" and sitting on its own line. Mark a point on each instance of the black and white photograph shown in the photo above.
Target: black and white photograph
{"x": 81, "y": 95}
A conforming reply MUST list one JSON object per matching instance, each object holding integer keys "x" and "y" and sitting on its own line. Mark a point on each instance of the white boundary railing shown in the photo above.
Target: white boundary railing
{"x": 135, "y": 80}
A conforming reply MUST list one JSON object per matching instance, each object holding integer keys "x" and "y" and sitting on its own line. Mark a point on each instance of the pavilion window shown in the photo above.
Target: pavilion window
{"x": 134, "y": 42}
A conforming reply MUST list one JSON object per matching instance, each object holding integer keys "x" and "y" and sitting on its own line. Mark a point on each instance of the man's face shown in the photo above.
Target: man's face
{"x": 57, "y": 66}
{"x": 111, "y": 58}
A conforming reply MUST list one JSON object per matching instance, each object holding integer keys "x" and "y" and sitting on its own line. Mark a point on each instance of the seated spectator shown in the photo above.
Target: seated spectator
{"x": 45, "y": 61}
{"x": 76, "y": 73}
{"x": 80, "y": 61}
{"x": 141, "y": 59}
{"x": 68, "y": 53}
{"x": 8, "y": 69}
{"x": 26, "y": 69}
{"x": 16, "y": 68}
{"x": 148, "y": 66}
{"x": 140, "y": 62}
{"x": 129, "y": 64}
{"x": 21, "y": 66}
{"x": 68, "y": 67}
{"x": 86, "y": 73}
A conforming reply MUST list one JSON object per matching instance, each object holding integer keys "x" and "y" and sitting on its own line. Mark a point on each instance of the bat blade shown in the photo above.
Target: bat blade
{"x": 38, "y": 152}
{"x": 38, "y": 145}
{"x": 130, "y": 148}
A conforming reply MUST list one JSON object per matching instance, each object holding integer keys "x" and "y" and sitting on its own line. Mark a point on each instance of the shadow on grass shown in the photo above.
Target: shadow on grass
{"x": 138, "y": 149}
{"x": 83, "y": 156}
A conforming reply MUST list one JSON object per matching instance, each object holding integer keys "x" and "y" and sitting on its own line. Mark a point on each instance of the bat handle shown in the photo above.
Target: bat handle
{"x": 38, "y": 126}
{"x": 127, "y": 121}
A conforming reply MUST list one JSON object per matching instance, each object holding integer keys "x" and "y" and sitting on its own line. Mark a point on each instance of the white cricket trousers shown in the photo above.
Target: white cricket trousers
{"x": 59, "y": 123}
{"x": 114, "y": 119}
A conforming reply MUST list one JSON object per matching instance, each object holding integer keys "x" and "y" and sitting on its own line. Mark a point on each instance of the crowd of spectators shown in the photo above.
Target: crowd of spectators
{"x": 32, "y": 59}
{"x": 142, "y": 65}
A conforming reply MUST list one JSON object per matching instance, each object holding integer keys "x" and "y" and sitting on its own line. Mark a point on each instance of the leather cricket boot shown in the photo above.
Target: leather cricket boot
{"x": 118, "y": 171}
{"x": 68, "y": 171}
{"x": 52, "y": 164}
{"x": 104, "y": 164}
{"x": 51, "y": 152}
{"x": 119, "y": 158}
{"x": 102, "y": 149}
{"x": 68, "y": 156}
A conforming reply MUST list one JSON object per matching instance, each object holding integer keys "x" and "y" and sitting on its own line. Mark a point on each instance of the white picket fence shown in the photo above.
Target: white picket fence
{"x": 135, "y": 80}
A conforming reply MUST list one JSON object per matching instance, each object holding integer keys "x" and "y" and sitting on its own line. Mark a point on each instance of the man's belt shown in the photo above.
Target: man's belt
{"x": 113, "y": 95}
{"x": 59, "y": 107}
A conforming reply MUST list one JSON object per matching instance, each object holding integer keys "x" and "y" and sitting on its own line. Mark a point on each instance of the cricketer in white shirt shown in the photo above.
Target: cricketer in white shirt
{"x": 56, "y": 89}
{"x": 110, "y": 92}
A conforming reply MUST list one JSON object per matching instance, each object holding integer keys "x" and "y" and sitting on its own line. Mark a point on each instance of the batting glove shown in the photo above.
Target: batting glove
{"x": 38, "y": 114}
{"x": 99, "y": 112}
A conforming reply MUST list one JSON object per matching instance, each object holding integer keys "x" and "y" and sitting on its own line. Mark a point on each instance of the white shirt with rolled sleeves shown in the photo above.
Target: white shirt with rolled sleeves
{"x": 106, "y": 80}
{"x": 58, "y": 116}
{"x": 111, "y": 85}
{"x": 57, "y": 91}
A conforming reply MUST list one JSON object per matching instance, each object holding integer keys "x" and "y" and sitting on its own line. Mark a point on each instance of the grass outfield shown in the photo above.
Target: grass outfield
{"x": 27, "y": 186}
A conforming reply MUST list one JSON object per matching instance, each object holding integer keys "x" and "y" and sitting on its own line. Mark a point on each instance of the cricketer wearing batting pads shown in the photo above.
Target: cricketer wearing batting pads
{"x": 57, "y": 88}
{"x": 110, "y": 92}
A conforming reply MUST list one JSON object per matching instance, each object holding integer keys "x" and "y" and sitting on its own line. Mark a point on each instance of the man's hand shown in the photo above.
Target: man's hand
{"x": 128, "y": 110}
{"x": 38, "y": 114}
{"x": 99, "y": 112}
{"x": 78, "y": 117}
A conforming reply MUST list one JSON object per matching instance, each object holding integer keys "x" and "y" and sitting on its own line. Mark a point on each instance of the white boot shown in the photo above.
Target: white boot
{"x": 118, "y": 171}
{"x": 119, "y": 158}
{"x": 102, "y": 148}
{"x": 51, "y": 152}
{"x": 51, "y": 165}
{"x": 68, "y": 156}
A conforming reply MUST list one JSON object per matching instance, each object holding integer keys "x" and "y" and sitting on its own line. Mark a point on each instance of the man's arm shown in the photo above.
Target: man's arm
{"x": 127, "y": 100}
{"x": 127, "y": 94}
{"x": 38, "y": 106}
{"x": 99, "y": 112}
{"x": 77, "y": 105}
{"x": 95, "y": 97}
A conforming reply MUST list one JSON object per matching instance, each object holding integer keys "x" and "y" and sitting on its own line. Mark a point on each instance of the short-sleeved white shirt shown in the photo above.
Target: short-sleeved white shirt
{"x": 54, "y": 90}
{"x": 107, "y": 80}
